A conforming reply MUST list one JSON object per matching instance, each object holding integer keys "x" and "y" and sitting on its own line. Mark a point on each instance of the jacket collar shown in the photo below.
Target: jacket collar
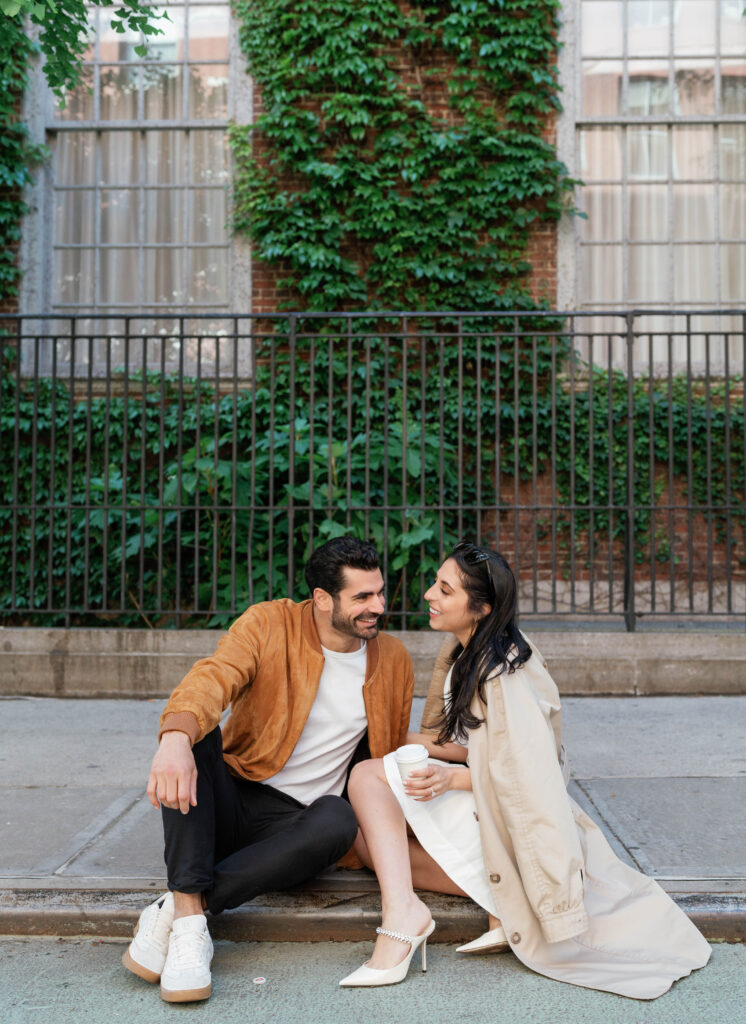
{"x": 308, "y": 626}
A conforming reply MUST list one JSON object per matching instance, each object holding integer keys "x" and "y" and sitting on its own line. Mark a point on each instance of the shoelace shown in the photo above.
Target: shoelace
{"x": 187, "y": 948}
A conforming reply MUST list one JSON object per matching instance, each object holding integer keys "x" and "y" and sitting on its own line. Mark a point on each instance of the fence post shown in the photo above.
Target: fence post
{"x": 629, "y": 533}
{"x": 291, "y": 459}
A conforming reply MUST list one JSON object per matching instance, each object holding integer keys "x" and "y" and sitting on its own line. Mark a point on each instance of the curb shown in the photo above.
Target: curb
{"x": 720, "y": 918}
{"x": 306, "y": 917}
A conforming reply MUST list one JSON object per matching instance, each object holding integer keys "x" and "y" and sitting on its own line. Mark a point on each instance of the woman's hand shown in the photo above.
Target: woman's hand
{"x": 427, "y": 783}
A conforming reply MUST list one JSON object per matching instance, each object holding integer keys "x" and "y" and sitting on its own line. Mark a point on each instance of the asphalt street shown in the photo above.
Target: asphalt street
{"x": 58, "y": 981}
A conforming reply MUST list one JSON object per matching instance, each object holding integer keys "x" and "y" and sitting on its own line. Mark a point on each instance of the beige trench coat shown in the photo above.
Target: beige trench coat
{"x": 571, "y": 909}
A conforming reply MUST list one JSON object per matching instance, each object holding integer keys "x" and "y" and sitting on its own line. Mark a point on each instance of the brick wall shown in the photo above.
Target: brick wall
{"x": 541, "y": 253}
{"x": 699, "y": 545}
{"x": 10, "y": 303}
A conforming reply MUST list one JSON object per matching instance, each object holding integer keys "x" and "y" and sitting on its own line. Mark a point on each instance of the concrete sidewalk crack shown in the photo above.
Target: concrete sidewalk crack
{"x": 610, "y": 822}
{"x": 86, "y": 837}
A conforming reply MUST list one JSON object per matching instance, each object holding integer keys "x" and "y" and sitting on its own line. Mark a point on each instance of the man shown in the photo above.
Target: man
{"x": 312, "y": 687}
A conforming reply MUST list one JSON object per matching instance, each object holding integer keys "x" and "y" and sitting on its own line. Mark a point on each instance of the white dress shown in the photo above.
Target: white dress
{"x": 436, "y": 824}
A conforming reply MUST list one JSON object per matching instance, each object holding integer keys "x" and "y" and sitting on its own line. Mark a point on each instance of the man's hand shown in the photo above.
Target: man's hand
{"x": 173, "y": 774}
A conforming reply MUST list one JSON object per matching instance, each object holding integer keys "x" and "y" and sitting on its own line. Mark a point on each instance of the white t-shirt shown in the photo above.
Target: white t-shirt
{"x": 335, "y": 726}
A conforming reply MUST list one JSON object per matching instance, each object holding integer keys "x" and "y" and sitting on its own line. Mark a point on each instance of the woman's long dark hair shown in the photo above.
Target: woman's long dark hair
{"x": 496, "y": 645}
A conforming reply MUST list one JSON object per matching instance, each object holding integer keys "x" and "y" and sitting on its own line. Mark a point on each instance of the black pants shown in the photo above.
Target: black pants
{"x": 244, "y": 838}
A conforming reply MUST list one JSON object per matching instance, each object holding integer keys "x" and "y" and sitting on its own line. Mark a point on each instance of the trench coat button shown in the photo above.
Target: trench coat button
{"x": 515, "y": 938}
{"x": 476, "y": 816}
{"x": 495, "y": 878}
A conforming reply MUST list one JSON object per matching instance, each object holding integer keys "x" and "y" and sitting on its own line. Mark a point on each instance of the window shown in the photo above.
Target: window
{"x": 660, "y": 132}
{"x": 140, "y": 200}
{"x": 136, "y": 202}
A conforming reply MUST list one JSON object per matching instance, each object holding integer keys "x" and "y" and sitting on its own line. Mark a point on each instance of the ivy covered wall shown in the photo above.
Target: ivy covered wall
{"x": 402, "y": 155}
{"x": 18, "y": 155}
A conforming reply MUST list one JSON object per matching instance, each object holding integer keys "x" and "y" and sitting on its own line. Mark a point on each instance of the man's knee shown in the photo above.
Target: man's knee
{"x": 337, "y": 819}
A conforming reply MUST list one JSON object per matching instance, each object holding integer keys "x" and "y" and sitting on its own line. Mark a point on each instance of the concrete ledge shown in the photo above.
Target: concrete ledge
{"x": 149, "y": 663}
{"x": 635, "y": 664}
{"x": 98, "y": 662}
{"x": 306, "y": 917}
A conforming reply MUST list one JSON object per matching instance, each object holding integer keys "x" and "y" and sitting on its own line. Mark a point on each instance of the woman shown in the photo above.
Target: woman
{"x": 491, "y": 817}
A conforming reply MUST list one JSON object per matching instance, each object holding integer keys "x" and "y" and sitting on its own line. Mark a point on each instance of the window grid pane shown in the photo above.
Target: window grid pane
{"x": 131, "y": 205}
{"x": 661, "y": 194}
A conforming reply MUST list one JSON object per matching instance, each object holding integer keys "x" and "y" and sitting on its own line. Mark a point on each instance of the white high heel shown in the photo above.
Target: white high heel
{"x": 493, "y": 941}
{"x": 367, "y": 977}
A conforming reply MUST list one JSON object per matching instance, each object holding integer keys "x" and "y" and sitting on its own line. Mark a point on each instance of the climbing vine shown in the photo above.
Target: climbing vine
{"x": 18, "y": 155}
{"x": 400, "y": 160}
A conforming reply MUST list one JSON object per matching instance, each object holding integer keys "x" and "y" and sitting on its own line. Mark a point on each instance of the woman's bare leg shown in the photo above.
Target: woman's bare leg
{"x": 384, "y": 831}
{"x": 426, "y": 872}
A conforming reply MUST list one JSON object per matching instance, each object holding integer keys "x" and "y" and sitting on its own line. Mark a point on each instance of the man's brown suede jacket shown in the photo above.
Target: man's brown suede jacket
{"x": 267, "y": 667}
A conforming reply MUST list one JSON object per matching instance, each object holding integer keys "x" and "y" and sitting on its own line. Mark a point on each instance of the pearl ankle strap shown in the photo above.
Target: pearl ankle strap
{"x": 396, "y": 935}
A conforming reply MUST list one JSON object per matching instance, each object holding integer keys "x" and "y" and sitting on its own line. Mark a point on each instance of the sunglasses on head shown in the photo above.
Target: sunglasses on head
{"x": 471, "y": 554}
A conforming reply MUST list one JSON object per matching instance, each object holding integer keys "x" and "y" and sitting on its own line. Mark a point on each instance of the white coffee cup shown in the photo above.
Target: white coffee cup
{"x": 410, "y": 758}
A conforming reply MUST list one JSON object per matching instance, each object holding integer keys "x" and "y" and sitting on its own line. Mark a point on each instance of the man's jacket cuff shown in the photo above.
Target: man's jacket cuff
{"x": 181, "y": 721}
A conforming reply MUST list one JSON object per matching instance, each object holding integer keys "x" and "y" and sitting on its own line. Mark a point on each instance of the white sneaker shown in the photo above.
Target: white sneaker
{"x": 146, "y": 954}
{"x": 186, "y": 974}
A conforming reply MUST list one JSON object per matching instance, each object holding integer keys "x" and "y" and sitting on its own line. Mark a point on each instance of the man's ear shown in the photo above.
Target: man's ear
{"x": 323, "y": 600}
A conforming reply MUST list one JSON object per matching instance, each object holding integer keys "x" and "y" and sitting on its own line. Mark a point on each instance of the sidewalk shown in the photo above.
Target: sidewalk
{"x": 80, "y": 851}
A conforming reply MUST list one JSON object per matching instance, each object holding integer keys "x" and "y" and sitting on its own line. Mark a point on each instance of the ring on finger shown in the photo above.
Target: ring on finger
{"x": 432, "y": 791}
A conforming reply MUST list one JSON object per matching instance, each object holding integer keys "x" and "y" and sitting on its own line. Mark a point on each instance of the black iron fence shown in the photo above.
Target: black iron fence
{"x": 170, "y": 472}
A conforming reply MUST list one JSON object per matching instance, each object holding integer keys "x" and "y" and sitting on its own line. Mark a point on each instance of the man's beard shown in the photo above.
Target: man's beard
{"x": 349, "y": 626}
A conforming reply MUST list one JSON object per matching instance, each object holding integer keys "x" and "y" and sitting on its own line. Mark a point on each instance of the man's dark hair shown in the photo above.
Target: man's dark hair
{"x": 325, "y": 568}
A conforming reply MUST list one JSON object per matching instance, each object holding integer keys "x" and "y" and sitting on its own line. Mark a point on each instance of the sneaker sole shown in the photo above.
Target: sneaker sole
{"x": 186, "y": 995}
{"x": 142, "y": 972}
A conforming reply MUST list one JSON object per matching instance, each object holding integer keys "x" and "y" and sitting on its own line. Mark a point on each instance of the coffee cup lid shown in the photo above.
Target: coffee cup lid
{"x": 411, "y": 752}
